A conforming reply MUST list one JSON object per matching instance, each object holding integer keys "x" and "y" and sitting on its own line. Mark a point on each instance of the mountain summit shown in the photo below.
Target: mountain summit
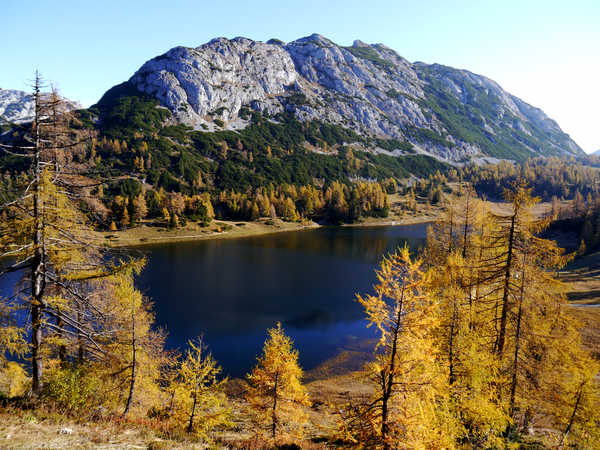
{"x": 451, "y": 114}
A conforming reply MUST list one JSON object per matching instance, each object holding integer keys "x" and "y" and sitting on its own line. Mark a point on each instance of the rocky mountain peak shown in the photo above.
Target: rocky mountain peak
{"x": 451, "y": 114}
{"x": 359, "y": 43}
{"x": 316, "y": 39}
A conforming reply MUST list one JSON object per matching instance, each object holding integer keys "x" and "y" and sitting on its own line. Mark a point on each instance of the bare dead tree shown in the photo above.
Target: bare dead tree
{"x": 46, "y": 238}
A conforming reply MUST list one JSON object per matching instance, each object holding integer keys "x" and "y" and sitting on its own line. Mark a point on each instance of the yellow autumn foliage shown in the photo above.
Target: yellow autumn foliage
{"x": 275, "y": 393}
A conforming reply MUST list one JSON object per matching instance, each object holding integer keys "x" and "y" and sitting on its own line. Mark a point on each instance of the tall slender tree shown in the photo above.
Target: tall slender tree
{"x": 408, "y": 404}
{"x": 198, "y": 403}
{"x": 49, "y": 240}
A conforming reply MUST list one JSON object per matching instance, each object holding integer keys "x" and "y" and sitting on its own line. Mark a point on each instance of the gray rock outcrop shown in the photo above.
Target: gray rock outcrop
{"x": 452, "y": 114}
{"x": 18, "y": 106}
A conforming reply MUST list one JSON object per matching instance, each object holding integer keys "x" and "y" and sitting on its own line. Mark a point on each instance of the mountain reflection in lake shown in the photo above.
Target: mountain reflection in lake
{"x": 233, "y": 290}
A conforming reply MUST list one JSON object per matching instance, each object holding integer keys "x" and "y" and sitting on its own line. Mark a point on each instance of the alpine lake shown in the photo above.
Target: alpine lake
{"x": 230, "y": 291}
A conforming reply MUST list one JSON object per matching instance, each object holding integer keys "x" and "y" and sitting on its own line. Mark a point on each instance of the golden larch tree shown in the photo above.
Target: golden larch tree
{"x": 410, "y": 404}
{"x": 198, "y": 403}
{"x": 275, "y": 393}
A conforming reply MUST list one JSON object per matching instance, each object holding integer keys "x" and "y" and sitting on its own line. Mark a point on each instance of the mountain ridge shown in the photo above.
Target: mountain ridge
{"x": 452, "y": 114}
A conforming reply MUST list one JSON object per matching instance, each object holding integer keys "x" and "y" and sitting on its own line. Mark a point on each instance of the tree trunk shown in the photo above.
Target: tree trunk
{"x": 507, "y": 275}
{"x": 466, "y": 227}
{"x": 572, "y": 419}
{"x": 171, "y": 402}
{"x": 477, "y": 282}
{"x": 38, "y": 263}
{"x": 36, "y": 357}
{"x": 133, "y": 364}
{"x": 513, "y": 384}
{"x": 451, "y": 231}
{"x": 274, "y": 411}
{"x": 62, "y": 348}
{"x": 388, "y": 383}
{"x": 80, "y": 349}
{"x": 451, "y": 376}
{"x": 384, "y": 421}
{"x": 190, "y": 426}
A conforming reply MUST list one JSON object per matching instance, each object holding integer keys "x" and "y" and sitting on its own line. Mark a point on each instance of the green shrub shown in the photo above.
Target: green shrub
{"x": 370, "y": 54}
{"x": 71, "y": 388}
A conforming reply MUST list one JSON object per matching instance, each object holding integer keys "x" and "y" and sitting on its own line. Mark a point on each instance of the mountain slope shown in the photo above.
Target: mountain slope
{"x": 17, "y": 106}
{"x": 451, "y": 114}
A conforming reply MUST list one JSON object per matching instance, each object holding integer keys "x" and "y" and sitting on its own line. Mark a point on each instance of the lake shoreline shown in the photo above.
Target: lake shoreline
{"x": 152, "y": 232}
{"x": 149, "y": 234}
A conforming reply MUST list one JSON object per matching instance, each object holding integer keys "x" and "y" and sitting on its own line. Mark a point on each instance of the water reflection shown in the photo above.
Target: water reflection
{"x": 232, "y": 290}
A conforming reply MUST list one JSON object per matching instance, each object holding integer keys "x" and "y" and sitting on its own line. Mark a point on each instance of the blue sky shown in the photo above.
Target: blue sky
{"x": 546, "y": 52}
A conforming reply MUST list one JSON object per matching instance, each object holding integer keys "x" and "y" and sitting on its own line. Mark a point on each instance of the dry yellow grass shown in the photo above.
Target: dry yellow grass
{"x": 582, "y": 278}
{"x": 538, "y": 210}
{"x": 590, "y": 330}
{"x": 26, "y": 429}
{"x": 220, "y": 229}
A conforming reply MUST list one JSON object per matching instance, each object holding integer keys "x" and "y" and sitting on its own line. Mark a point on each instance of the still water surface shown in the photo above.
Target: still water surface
{"x": 231, "y": 291}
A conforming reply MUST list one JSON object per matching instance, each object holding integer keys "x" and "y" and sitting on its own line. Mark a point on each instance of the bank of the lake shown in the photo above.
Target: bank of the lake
{"x": 155, "y": 232}
{"x": 152, "y": 233}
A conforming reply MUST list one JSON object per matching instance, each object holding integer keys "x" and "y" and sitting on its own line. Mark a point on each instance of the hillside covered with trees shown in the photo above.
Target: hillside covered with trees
{"x": 137, "y": 166}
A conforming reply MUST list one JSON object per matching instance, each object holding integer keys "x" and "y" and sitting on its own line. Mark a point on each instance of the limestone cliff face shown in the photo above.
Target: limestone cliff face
{"x": 451, "y": 114}
{"x": 219, "y": 76}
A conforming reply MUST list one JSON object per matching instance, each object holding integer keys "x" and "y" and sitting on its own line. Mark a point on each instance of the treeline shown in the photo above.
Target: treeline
{"x": 549, "y": 177}
{"x": 333, "y": 204}
{"x": 127, "y": 204}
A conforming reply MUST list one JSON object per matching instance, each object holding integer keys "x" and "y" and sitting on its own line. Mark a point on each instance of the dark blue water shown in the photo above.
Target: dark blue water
{"x": 231, "y": 291}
